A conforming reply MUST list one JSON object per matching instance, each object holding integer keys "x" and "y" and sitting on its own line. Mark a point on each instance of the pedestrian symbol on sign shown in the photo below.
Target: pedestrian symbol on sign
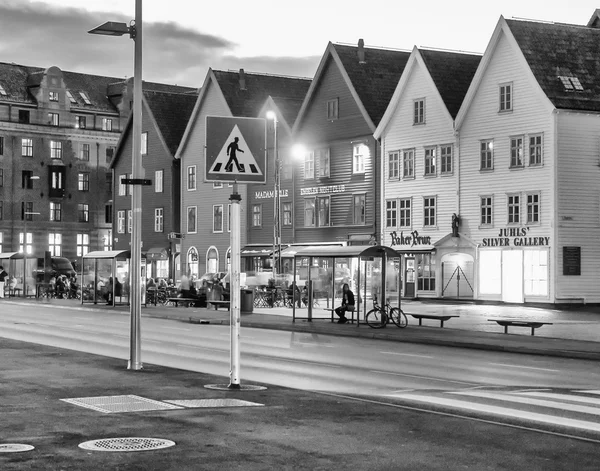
{"x": 233, "y": 160}
{"x": 232, "y": 149}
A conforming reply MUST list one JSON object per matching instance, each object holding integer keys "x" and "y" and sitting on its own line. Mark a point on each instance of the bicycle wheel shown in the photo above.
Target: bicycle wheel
{"x": 398, "y": 317}
{"x": 376, "y": 318}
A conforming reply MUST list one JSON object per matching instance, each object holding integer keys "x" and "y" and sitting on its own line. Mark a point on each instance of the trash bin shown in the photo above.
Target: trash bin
{"x": 247, "y": 300}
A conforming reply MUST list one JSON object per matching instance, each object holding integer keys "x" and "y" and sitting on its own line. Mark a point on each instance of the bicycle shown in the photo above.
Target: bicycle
{"x": 379, "y": 316}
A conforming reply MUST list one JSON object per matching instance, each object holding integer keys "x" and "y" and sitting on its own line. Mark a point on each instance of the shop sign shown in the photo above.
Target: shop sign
{"x": 411, "y": 239}
{"x": 270, "y": 194}
{"x": 322, "y": 189}
{"x": 516, "y": 237}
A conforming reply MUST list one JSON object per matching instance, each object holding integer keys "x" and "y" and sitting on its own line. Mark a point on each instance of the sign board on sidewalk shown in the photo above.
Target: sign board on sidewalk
{"x": 236, "y": 150}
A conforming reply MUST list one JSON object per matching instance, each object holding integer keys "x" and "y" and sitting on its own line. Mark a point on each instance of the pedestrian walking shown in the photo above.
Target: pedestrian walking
{"x": 3, "y": 277}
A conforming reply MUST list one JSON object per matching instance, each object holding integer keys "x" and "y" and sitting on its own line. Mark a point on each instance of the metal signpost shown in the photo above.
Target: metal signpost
{"x": 235, "y": 152}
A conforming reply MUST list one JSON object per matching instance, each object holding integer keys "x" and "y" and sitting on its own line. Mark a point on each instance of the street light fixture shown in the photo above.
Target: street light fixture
{"x": 134, "y": 30}
{"x": 276, "y": 200}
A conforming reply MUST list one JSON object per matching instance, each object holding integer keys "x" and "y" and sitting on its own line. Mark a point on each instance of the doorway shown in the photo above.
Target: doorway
{"x": 512, "y": 276}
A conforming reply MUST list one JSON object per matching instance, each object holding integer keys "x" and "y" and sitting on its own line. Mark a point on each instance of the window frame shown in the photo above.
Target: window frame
{"x": 121, "y": 221}
{"x": 430, "y": 161}
{"x": 257, "y": 215}
{"x": 82, "y": 242}
{"x": 429, "y": 211}
{"x": 537, "y": 205}
{"x": 107, "y": 124}
{"x": 55, "y": 244}
{"x": 26, "y": 147}
{"x": 391, "y": 213}
{"x": 505, "y": 97}
{"x": 309, "y": 165}
{"x": 122, "y": 186}
{"x": 286, "y": 211}
{"x": 418, "y": 111}
{"x": 322, "y": 156}
{"x": 192, "y": 210}
{"x": 516, "y": 160}
{"x": 83, "y": 212}
{"x": 359, "y": 208}
{"x": 539, "y": 136}
{"x": 333, "y": 109}
{"x": 408, "y": 164}
{"x": 486, "y": 211}
{"x": 56, "y": 149}
{"x": 404, "y": 212}
{"x": 513, "y": 209}
{"x": 159, "y": 219}
{"x": 215, "y": 217}
{"x": 144, "y": 143}
{"x": 159, "y": 184}
{"x": 55, "y": 212}
{"x": 84, "y": 151}
{"x": 323, "y": 219}
{"x": 53, "y": 119}
{"x": 191, "y": 184}
{"x": 446, "y": 159}
{"x": 83, "y": 181}
{"x": 486, "y": 155}
{"x": 308, "y": 209}
{"x": 358, "y": 158}
{"x": 394, "y": 165}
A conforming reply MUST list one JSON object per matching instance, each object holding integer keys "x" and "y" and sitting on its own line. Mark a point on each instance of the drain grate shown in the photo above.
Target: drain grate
{"x": 126, "y": 444}
{"x": 14, "y": 447}
{"x": 127, "y": 403}
{"x": 215, "y": 403}
{"x": 239, "y": 387}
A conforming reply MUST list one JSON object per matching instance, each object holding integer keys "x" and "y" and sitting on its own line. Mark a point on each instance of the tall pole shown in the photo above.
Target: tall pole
{"x": 135, "y": 274}
{"x": 234, "y": 312}
{"x": 276, "y": 205}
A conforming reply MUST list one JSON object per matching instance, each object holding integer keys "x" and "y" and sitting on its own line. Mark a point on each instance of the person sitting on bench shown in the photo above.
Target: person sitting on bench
{"x": 347, "y": 304}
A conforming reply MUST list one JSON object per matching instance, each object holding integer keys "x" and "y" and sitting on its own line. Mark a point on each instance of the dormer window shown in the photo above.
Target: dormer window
{"x": 85, "y": 98}
{"x": 3, "y": 91}
{"x": 570, "y": 83}
{"x": 71, "y": 98}
{"x": 53, "y": 96}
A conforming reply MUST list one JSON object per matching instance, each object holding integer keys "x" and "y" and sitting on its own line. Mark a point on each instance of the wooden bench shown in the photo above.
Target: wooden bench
{"x": 185, "y": 301}
{"x": 438, "y": 317}
{"x": 216, "y": 303}
{"x": 519, "y": 323}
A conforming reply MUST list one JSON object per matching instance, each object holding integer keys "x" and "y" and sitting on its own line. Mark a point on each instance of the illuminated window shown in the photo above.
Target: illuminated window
{"x": 516, "y": 151}
{"x": 505, "y": 94}
{"x": 158, "y": 181}
{"x": 535, "y": 276}
{"x": 358, "y": 158}
{"x": 256, "y": 215}
{"x": 129, "y": 221}
{"x": 144, "y": 144}
{"x": 490, "y": 272}
{"x": 55, "y": 211}
{"x": 83, "y": 181}
{"x": 486, "y": 155}
{"x": 80, "y": 122}
{"x": 54, "y": 244}
{"x": 425, "y": 272}
{"x": 122, "y": 186}
{"x": 27, "y": 147}
{"x": 106, "y": 124}
{"x": 26, "y": 242}
{"x": 393, "y": 165}
{"x": 430, "y": 161}
{"x": 55, "y": 150}
{"x": 83, "y": 244}
{"x": 83, "y": 212}
{"x": 53, "y": 119}
{"x": 309, "y": 165}
{"x": 84, "y": 152}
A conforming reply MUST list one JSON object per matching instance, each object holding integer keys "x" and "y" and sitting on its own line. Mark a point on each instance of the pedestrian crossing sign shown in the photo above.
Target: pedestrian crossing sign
{"x": 235, "y": 149}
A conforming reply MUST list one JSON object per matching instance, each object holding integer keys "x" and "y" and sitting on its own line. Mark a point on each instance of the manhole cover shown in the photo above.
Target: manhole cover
{"x": 242, "y": 387}
{"x": 214, "y": 403}
{"x": 126, "y": 444}
{"x": 14, "y": 447}
{"x": 127, "y": 403}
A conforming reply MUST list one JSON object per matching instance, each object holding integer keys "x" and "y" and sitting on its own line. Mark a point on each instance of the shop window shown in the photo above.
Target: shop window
{"x": 490, "y": 272}
{"x": 535, "y": 264}
{"x": 425, "y": 272}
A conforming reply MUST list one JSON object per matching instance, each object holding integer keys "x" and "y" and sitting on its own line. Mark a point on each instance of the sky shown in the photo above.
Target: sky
{"x": 183, "y": 38}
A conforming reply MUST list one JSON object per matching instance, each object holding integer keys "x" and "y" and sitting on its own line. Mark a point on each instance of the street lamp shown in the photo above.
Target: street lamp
{"x": 276, "y": 200}
{"x": 26, "y": 214}
{"x": 134, "y": 30}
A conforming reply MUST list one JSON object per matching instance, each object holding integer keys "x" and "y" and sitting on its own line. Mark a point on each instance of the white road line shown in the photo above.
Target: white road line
{"x": 567, "y": 397}
{"x": 175, "y": 328}
{"x": 308, "y": 363}
{"x": 523, "y": 367}
{"x": 406, "y": 354}
{"x": 506, "y": 412}
{"x": 531, "y": 402}
{"x": 421, "y": 377}
{"x": 589, "y": 392}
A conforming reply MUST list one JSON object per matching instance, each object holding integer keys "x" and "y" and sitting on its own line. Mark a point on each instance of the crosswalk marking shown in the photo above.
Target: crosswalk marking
{"x": 504, "y": 411}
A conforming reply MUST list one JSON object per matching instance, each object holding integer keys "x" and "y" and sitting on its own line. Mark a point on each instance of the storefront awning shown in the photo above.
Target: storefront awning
{"x": 256, "y": 251}
{"x": 108, "y": 254}
{"x": 157, "y": 253}
{"x": 5, "y": 255}
{"x": 414, "y": 250}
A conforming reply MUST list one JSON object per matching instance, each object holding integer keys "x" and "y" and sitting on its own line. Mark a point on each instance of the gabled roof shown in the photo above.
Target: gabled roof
{"x": 554, "y": 50}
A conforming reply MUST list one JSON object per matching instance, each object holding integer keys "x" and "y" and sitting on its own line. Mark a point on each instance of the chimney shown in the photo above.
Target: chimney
{"x": 242, "y": 80}
{"x": 361, "y": 52}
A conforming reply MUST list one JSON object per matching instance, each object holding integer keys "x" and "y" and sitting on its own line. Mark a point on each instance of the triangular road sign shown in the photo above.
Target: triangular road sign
{"x": 235, "y": 157}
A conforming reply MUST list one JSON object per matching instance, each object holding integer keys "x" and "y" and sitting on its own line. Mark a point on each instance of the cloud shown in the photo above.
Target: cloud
{"x": 42, "y": 35}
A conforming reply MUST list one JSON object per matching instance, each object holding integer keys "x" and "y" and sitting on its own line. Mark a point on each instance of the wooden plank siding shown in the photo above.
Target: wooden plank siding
{"x": 205, "y": 195}
{"x": 578, "y": 203}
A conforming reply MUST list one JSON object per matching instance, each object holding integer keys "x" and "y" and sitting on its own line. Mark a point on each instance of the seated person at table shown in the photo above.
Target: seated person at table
{"x": 293, "y": 293}
{"x": 304, "y": 296}
{"x": 347, "y": 304}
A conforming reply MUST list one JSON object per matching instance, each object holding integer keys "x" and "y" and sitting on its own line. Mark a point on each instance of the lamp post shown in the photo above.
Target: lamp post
{"x": 26, "y": 214}
{"x": 134, "y": 30}
{"x": 276, "y": 200}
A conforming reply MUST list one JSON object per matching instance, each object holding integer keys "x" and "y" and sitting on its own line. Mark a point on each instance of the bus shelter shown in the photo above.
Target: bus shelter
{"x": 320, "y": 273}
{"x": 21, "y": 273}
{"x": 105, "y": 277}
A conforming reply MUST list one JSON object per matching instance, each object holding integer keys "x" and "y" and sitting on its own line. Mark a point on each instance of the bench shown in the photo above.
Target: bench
{"x": 216, "y": 303}
{"x": 438, "y": 317}
{"x": 185, "y": 301}
{"x": 519, "y": 323}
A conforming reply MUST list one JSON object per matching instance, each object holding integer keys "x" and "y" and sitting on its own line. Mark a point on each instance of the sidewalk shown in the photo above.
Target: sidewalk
{"x": 575, "y": 332}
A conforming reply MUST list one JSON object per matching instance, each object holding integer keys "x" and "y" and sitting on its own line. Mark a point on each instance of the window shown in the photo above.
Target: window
{"x": 52, "y": 96}
{"x": 80, "y": 122}
{"x": 108, "y": 213}
{"x": 84, "y": 152}
{"x": 486, "y": 210}
{"x": 358, "y": 158}
{"x": 516, "y": 151}
{"x": 26, "y": 242}
{"x": 55, "y": 150}
{"x": 106, "y": 124}
{"x": 393, "y": 165}
{"x": 71, "y": 98}
{"x": 405, "y": 212}
{"x": 533, "y": 208}
{"x": 57, "y": 180}
{"x": 535, "y": 150}
{"x": 27, "y": 147}
{"x": 514, "y": 202}
{"x": 55, "y": 212}
{"x": 570, "y": 83}
{"x": 391, "y": 213}
{"x": 419, "y": 111}
{"x": 158, "y": 219}
{"x": 144, "y": 143}
{"x": 26, "y": 211}
{"x": 217, "y": 185}
{"x": 83, "y": 212}
{"x": 1, "y": 213}
{"x": 53, "y": 119}
{"x": 85, "y": 98}
{"x": 121, "y": 222}
{"x": 1, "y": 145}
{"x": 309, "y": 212}
{"x": 122, "y": 186}
{"x": 191, "y": 220}
{"x": 430, "y": 163}
{"x": 229, "y": 217}
{"x": 24, "y": 116}
{"x": 535, "y": 276}
{"x": 1, "y": 177}
{"x": 286, "y": 209}
{"x": 54, "y": 244}
{"x": 408, "y": 164}
{"x": 191, "y": 177}
{"x": 323, "y": 211}
{"x": 333, "y": 109}
{"x": 26, "y": 180}
{"x": 323, "y": 161}
{"x": 83, "y": 181}
{"x": 506, "y": 97}
{"x": 83, "y": 244}
{"x": 309, "y": 165}
{"x": 110, "y": 152}
{"x": 109, "y": 182}
{"x": 446, "y": 160}
{"x": 217, "y": 218}
{"x": 425, "y": 272}
{"x": 3, "y": 91}
{"x": 158, "y": 181}
{"x": 429, "y": 211}
{"x": 129, "y": 221}
{"x": 256, "y": 215}
{"x": 486, "y": 154}
{"x": 359, "y": 205}
{"x": 1, "y": 238}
